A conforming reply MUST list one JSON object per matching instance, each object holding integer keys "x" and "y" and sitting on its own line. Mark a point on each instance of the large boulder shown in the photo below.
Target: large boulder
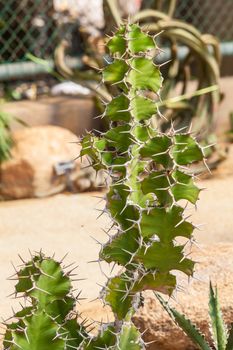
{"x": 35, "y": 168}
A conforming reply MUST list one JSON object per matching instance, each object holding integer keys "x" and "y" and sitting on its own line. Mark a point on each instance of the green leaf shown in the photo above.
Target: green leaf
{"x": 186, "y": 150}
{"x": 152, "y": 257}
{"x": 142, "y": 108}
{"x": 218, "y": 326}
{"x": 184, "y": 188}
{"x": 166, "y": 224}
{"x": 138, "y": 40}
{"x": 116, "y": 109}
{"x": 141, "y": 69}
{"x": 157, "y": 148}
{"x": 185, "y": 324}
{"x": 115, "y": 72}
{"x": 129, "y": 338}
{"x": 117, "y": 44}
{"x": 117, "y": 295}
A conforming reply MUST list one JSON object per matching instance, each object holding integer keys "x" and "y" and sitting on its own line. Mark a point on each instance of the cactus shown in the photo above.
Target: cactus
{"x": 48, "y": 321}
{"x": 149, "y": 175}
{"x": 222, "y": 338}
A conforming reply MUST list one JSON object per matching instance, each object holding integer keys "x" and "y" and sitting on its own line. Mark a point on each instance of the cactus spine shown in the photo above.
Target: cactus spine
{"x": 149, "y": 174}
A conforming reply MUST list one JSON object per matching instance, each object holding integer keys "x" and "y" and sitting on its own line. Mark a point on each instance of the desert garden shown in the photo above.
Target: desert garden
{"x": 116, "y": 211}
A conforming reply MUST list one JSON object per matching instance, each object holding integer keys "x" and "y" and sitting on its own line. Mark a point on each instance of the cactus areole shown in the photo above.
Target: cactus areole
{"x": 150, "y": 185}
{"x": 149, "y": 174}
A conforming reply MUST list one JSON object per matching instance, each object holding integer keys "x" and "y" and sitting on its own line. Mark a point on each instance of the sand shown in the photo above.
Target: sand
{"x": 65, "y": 223}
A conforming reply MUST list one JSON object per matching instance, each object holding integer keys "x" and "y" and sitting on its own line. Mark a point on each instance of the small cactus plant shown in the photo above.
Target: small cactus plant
{"x": 48, "y": 321}
{"x": 149, "y": 176}
{"x": 222, "y": 338}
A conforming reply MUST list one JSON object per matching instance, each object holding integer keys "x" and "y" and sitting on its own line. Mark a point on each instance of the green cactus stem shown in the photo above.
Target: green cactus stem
{"x": 49, "y": 321}
{"x": 149, "y": 174}
{"x": 150, "y": 182}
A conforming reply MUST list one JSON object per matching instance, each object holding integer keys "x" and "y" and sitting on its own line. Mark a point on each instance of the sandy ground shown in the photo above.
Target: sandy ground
{"x": 65, "y": 223}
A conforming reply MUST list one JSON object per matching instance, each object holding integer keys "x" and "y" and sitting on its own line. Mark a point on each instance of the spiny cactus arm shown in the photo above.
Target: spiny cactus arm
{"x": 229, "y": 345}
{"x": 149, "y": 176}
{"x": 185, "y": 324}
{"x": 50, "y": 321}
{"x": 121, "y": 290}
{"x": 218, "y": 327}
{"x": 129, "y": 338}
{"x": 106, "y": 339}
{"x": 43, "y": 280}
{"x": 37, "y": 332}
{"x": 74, "y": 333}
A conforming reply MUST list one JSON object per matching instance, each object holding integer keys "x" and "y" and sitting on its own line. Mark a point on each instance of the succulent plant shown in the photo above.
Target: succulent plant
{"x": 221, "y": 336}
{"x": 150, "y": 176}
{"x": 185, "y": 47}
{"x": 149, "y": 173}
{"x": 48, "y": 319}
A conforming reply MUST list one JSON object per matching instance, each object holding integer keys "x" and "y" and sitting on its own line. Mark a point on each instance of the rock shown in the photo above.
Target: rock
{"x": 37, "y": 151}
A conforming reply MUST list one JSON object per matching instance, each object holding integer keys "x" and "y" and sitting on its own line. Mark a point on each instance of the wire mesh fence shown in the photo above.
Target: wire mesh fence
{"x": 26, "y": 26}
{"x": 209, "y": 16}
{"x": 31, "y": 26}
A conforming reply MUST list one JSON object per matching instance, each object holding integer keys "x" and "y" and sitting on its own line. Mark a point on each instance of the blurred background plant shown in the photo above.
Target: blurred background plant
{"x": 6, "y": 140}
{"x": 69, "y": 45}
{"x": 193, "y": 64}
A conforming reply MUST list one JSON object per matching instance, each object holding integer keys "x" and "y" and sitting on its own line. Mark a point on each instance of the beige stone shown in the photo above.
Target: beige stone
{"x": 73, "y": 113}
{"x": 30, "y": 172}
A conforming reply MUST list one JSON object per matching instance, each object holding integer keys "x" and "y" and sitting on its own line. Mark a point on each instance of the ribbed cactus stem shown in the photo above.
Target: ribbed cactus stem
{"x": 48, "y": 321}
{"x": 149, "y": 176}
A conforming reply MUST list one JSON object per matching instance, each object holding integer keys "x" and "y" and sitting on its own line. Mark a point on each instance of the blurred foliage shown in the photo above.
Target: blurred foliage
{"x": 193, "y": 65}
{"x": 6, "y": 140}
{"x": 230, "y": 132}
{"x": 5, "y": 136}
